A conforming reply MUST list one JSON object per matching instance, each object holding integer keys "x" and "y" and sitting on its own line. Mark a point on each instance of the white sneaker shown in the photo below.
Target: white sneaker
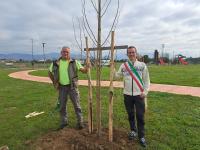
{"x": 132, "y": 135}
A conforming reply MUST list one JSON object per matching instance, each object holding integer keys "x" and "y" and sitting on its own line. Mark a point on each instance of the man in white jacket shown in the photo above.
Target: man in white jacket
{"x": 136, "y": 86}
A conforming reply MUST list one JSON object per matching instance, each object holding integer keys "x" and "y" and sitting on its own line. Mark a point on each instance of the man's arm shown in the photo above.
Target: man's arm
{"x": 55, "y": 84}
{"x": 81, "y": 68}
{"x": 146, "y": 80}
{"x": 51, "y": 76}
{"x": 119, "y": 73}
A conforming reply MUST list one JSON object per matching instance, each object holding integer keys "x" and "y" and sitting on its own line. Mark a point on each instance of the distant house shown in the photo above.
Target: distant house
{"x": 105, "y": 62}
{"x": 41, "y": 60}
{"x": 9, "y": 64}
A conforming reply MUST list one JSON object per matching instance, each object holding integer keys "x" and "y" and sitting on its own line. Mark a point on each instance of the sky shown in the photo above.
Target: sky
{"x": 170, "y": 26}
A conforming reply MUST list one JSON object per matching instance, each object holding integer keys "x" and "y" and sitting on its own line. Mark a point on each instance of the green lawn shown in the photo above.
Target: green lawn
{"x": 188, "y": 75}
{"x": 172, "y": 121}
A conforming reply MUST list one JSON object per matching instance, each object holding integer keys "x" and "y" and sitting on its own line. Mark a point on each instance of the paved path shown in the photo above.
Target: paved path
{"x": 184, "y": 90}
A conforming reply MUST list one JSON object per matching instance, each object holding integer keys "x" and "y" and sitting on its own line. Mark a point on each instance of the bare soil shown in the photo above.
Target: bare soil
{"x": 74, "y": 139}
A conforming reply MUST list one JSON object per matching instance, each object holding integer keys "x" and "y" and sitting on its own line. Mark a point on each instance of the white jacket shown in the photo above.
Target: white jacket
{"x": 130, "y": 86}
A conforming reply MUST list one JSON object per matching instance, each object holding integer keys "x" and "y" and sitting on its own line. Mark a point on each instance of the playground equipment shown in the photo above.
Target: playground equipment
{"x": 180, "y": 59}
{"x": 161, "y": 61}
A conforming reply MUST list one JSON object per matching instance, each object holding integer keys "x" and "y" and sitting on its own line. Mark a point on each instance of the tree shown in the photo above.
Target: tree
{"x": 146, "y": 58}
{"x": 85, "y": 27}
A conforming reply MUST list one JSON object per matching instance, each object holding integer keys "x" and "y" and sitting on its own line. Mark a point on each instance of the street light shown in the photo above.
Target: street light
{"x": 163, "y": 46}
{"x": 32, "y": 63}
{"x": 44, "y": 53}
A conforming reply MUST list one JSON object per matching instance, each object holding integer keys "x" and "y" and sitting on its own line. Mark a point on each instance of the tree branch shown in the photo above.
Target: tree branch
{"x": 112, "y": 24}
{"x": 94, "y": 5}
{"x": 88, "y": 25}
{"x": 75, "y": 34}
{"x": 105, "y": 8}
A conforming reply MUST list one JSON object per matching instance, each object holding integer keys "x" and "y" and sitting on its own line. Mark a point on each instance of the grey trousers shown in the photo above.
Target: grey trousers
{"x": 64, "y": 92}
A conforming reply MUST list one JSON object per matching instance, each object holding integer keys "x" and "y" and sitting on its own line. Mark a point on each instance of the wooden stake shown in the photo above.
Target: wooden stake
{"x": 90, "y": 117}
{"x": 111, "y": 89}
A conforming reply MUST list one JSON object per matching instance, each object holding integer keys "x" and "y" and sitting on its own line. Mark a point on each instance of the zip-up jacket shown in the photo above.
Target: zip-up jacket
{"x": 130, "y": 85}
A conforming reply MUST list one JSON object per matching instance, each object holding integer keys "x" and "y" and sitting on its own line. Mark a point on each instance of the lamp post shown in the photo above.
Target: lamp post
{"x": 44, "y": 53}
{"x": 32, "y": 63}
{"x": 163, "y": 46}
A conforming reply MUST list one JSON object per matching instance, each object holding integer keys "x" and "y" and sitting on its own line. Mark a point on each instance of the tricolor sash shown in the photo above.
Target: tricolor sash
{"x": 134, "y": 74}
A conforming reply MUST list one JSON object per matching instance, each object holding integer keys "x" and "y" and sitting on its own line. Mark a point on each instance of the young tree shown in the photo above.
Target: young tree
{"x": 100, "y": 10}
{"x": 100, "y": 7}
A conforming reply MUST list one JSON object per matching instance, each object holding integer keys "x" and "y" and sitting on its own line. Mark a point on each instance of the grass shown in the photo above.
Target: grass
{"x": 188, "y": 75}
{"x": 174, "y": 75}
{"x": 172, "y": 121}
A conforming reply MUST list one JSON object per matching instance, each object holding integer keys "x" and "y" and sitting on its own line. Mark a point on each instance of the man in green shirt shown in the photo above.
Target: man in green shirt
{"x": 63, "y": 73}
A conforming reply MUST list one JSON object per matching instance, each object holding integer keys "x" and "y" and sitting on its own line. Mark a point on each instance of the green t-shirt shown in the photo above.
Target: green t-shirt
{"x": 63, "y": 71}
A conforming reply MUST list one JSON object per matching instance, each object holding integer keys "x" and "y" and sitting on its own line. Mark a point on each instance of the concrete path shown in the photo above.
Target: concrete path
{"x": 183, "y": 90}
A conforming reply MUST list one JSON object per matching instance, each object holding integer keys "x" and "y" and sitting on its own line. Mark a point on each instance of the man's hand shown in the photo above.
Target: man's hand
{"x": 142, "y": 95}
{"x": 85, "y": 69}
{"x": 56, "y": 86}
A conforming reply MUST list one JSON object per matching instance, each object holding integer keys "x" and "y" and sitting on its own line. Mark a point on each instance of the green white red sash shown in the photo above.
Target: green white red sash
{"x": 134, "y": 74}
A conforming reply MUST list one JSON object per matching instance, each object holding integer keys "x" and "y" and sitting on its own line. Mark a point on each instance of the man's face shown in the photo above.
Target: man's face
{"x": 132, "y": 54}
{"x": 65, "y": 53}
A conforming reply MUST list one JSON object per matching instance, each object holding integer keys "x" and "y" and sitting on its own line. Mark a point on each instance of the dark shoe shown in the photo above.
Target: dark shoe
{"x": 62, "y": 126}
{"x": 132, "y": 135}
{"x": 143, "y": 142}
{"x": 80, "y": 125}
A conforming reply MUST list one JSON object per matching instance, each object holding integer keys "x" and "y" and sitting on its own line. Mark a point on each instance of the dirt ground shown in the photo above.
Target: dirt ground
{"x": 74, "y": 139}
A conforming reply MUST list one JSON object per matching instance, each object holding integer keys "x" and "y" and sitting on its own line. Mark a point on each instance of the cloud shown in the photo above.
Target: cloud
{"x": 145, "y": 24}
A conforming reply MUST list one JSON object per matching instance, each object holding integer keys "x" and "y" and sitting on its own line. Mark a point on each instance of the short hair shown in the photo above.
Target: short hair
{"x": 130, "y": 48}
{"x": 65, "y": 47}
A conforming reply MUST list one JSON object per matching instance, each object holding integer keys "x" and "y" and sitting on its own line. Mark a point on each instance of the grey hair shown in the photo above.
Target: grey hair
{"x": 65, "y": 47}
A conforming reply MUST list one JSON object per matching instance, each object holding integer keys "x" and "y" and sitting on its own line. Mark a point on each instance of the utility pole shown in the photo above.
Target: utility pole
{"x": 163, "y": 46}
{"x": 44, "y": 53}
{"x": 32, "y": 63}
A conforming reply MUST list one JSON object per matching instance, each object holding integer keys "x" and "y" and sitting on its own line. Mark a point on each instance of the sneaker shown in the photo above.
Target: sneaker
{"x": 143, "y": 142}
{"x": 80, "y": 125}
{"x": 132, "y": 135}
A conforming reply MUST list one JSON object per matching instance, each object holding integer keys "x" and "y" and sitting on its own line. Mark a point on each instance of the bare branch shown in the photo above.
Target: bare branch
{"x": 94, "y": 42}
{"x": 82, "y": 26}
{"x": 94, "y": 5}
{"x": 105, "y": 8}
{"x": 112, "y": 24}
{"x": 117, "y": 20}
{"x": 88, "y": 25}
{"x": 80, "y": 33}
{"x": 80, "y": 36}
{"x": 75, "y": 34}
{"x": 104, "y": 4}
{"x": 84, "y": 29}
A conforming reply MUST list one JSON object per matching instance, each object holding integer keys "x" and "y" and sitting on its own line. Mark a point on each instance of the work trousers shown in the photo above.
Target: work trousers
{"x": 64, "y": 92}
{"x": 135, "y": 106}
